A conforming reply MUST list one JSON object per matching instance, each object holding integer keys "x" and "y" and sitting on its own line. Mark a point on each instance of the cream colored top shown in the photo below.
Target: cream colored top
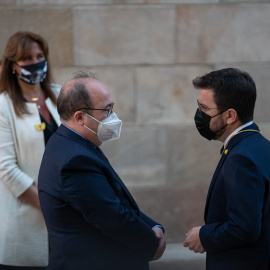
{"x": 23, "y": 234}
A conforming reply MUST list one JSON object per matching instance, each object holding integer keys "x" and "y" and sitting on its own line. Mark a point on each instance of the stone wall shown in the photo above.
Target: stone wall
{"x": 147, "y": 52}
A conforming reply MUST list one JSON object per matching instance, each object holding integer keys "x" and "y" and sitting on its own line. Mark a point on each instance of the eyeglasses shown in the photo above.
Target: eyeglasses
{"x": 109, "y": 109}
{"x": 202, "y": 109}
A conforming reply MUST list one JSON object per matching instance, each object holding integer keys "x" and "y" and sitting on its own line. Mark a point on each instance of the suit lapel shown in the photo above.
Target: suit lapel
{"x": 225, "y": 154}
{"x": 118, "y": 179}
{"x": 219, "y": 166}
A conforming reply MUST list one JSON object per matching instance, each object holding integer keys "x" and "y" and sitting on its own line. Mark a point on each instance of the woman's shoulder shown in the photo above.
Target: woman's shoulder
{"x": 5, "y": 103}
{"x": 4, "y": 97}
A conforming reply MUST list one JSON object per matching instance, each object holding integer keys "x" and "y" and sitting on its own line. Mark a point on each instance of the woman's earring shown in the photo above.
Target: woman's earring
{"x": 13, "y": 71}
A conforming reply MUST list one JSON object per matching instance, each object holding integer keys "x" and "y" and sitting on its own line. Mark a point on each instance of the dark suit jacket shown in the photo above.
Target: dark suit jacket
{"x": 237, "y": 214}
{"x": 92, "y": 219}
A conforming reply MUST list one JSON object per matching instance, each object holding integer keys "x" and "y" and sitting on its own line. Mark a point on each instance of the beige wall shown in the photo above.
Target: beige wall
{"x": 148, "y": 52}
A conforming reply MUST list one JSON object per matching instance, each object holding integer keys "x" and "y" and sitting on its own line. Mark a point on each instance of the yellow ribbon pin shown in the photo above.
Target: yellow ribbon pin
{"x": 40, "y": 127}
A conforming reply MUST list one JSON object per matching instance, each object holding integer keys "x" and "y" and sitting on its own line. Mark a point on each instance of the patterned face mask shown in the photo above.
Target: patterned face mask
{"x": 34, "y": 73}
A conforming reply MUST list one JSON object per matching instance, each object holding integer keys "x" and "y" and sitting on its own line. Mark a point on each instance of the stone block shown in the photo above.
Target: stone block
{"x": 243, "y": 1}
{"x": 265, "y": 129}
{"x": 53, "y": 23}
{"x": 166, "y": 94}
{"x": 187, "y": 1}
{"x": 121, "y": 2}
{"x": 181, "y": 1}
{"x": 192, "y": 159}
{"x": 62, "y": 75}
{"x": 122, "y": 35}
{"x": 120, "y": 81}
{"x": 139, "y": 156}
{"x": 165, "y": 1}
{"x": 63, "y": 2}
{"x": 8, "y": 2}
{"x": 223, "y": 33}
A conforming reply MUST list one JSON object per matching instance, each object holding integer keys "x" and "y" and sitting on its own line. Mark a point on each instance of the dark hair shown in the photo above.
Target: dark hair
{"x": 17, "y": 48}
{"x": 233, "y": 88}
{"x": 74, "y": 95}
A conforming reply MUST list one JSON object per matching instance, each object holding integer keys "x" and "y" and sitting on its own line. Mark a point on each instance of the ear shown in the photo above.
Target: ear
{"x": 79, "y": 118}
{"x": 232, "y": 116}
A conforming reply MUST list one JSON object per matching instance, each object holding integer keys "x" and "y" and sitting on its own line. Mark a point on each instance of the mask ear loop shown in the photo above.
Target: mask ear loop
{"x": 218, "y": 114}
{"x": 90, "y": 129}
{"x": 92, "y": 117}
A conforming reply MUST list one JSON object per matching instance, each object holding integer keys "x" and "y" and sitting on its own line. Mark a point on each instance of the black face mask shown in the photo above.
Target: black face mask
{"x": 202, "y": 121}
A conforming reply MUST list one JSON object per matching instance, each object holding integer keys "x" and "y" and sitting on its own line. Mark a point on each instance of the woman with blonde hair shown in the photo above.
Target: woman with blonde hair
{"x": 28, "y": 117}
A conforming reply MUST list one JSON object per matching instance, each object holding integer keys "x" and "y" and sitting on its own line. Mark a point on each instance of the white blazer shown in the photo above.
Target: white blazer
{"x": 23, "y": 234}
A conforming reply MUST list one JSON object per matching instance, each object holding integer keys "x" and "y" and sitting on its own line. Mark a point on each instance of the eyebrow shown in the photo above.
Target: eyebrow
{"x": 200, "y": 103}
{"x": 203, "y": 105}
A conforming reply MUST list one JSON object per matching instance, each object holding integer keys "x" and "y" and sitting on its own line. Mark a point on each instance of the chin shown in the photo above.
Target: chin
{"x": 219, "y": 137}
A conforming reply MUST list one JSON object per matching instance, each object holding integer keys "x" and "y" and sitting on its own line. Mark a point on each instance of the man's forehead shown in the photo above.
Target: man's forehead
{"x": 96, "y": 87}
{"x": 206, "y": 95}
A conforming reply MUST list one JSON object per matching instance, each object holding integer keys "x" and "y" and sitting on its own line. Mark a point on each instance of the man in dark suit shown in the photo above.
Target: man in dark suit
{"x": 236, "y": 234}
{"x": 92, "y": 219}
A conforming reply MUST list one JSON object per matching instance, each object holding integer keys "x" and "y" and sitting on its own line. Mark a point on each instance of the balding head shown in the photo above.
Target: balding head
{"x": 75, "y": 95}
{"x": 83, "y": 103}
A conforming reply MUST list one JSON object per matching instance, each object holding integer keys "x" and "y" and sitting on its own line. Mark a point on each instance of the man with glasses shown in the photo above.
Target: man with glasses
{"x": 236, "y": 233}
{"x": 93, "y": 221}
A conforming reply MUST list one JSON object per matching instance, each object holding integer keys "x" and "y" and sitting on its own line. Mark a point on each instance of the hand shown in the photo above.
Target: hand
{"x": 162, "y": 243}
{"x": 30, "y": 196}
{"x": 193, "y": 240}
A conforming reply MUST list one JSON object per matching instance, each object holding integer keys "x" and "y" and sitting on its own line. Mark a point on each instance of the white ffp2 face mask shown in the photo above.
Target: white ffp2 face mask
{"x": 108, "y": 129}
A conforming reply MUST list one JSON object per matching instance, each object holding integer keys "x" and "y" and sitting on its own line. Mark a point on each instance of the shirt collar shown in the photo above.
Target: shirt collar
{"x": 79, "y": 135}
{"x": 235, "y": 131}
{"x": 74, "y": 131}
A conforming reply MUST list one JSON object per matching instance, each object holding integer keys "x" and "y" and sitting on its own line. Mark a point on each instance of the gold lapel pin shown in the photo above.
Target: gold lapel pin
{"x": 40, "y": 127}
